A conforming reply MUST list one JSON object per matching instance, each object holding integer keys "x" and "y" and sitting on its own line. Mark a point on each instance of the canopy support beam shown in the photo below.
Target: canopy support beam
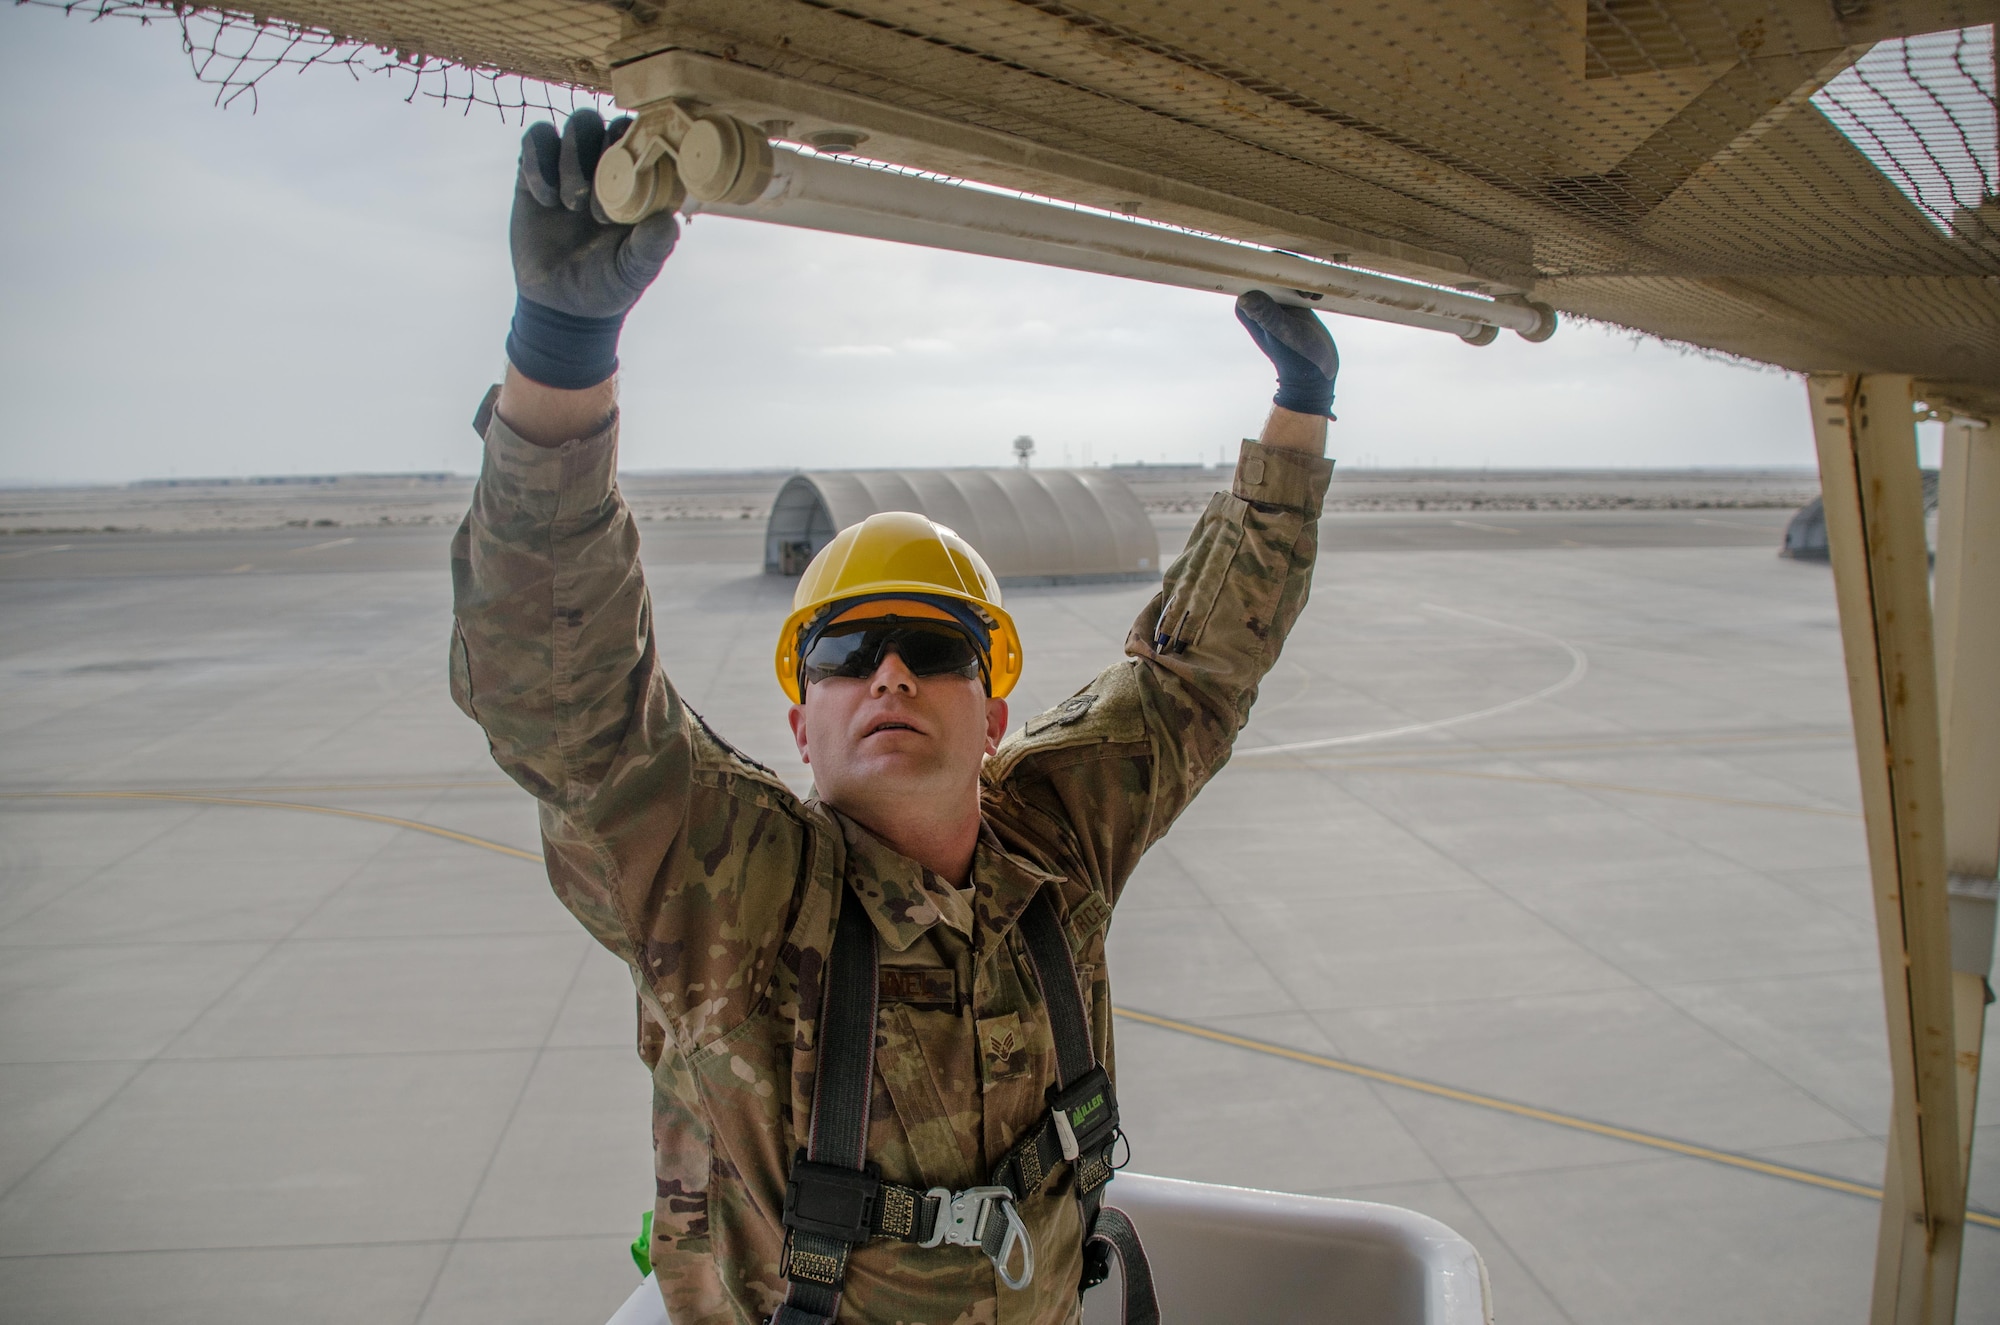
{"x": 1872, "y": 491}
{"x": 1968, "y": 636}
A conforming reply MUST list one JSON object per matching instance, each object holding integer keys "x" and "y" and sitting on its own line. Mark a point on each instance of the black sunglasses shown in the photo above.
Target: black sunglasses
{"x": 927, "y": 648}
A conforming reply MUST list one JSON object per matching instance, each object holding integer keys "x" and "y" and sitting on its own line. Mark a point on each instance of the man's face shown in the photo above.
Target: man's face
{"x": 878, "y": 741}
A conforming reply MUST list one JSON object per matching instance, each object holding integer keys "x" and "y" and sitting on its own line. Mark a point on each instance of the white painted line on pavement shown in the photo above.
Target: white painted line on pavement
{"x": 1579, "y": 666}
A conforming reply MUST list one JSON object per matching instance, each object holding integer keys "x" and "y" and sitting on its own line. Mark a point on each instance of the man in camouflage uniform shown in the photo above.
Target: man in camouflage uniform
{"x": 721, "y": 888}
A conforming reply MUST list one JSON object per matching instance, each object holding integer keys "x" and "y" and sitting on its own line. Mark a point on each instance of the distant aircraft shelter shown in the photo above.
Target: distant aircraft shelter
{"x": 1033, "y": 526}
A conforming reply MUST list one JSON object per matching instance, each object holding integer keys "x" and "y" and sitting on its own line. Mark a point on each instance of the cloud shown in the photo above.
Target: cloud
{"x": 323, "y": 286}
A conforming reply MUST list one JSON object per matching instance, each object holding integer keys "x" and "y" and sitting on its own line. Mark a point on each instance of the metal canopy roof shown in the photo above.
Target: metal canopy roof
{"x": 1673, "y": 166}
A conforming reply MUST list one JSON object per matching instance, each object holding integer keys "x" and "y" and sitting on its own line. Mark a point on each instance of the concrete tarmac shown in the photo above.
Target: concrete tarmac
{"x": 1556, "y": 809}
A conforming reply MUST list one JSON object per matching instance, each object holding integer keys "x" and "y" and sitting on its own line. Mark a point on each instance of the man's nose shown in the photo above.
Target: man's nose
{"x": 891, "y": 674}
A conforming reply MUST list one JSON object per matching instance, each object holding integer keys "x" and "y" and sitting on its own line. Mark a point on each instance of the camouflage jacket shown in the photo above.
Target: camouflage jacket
{"x": 720, "y": 887}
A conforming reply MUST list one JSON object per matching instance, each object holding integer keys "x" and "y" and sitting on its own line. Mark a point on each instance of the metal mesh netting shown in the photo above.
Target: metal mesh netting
{"x": 1806, "y": 182}
{"x": 1922, "y": 110}
{"x": 235, "y": 52}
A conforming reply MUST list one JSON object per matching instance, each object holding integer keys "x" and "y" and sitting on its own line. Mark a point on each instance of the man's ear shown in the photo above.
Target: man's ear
{"x": 797, "y": 717}
{"x": 996, "y": 724}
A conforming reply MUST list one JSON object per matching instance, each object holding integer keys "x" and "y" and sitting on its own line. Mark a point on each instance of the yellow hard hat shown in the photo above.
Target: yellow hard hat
{"x": 893, "y": 553}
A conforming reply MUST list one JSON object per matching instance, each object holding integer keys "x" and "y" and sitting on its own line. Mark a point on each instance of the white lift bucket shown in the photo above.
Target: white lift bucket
{"x": 1225, "y": 1255}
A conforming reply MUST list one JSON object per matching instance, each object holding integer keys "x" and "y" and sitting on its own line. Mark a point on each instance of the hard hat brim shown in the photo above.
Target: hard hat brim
{"x": 1003, "y": 662}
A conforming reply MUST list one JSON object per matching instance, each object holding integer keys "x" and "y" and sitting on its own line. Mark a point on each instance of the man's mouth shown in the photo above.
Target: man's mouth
{"x": 890, "y": 725}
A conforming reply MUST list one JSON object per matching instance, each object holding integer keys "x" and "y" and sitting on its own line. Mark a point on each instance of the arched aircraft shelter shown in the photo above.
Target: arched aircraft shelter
{"x": 1033, "y": 526}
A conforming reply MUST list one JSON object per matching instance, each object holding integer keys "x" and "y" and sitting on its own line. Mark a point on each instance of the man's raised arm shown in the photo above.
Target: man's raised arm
{"x": 552, "y": 647}
{"x": 1118, "y": 762}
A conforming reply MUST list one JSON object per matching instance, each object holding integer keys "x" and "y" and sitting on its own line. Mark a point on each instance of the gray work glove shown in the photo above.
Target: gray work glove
{"x": 577, "y": 273}
{"x": 1298, "y": 346}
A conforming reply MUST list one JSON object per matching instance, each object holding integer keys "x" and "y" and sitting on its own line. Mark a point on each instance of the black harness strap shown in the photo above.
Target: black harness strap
{"x": 834, "y": 1200}
{"x": 1084, "y": 1102}
{"x": 828, "y": 1199}
{"x": 1048, "y": 949}
{"x": 1112, "y": 1234}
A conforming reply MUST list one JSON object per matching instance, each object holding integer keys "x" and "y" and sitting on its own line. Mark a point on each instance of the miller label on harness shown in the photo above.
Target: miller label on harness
{"x": 835, "y": 1200}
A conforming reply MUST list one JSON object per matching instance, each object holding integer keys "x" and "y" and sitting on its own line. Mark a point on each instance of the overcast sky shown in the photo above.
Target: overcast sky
{"x": 322, "y": 286}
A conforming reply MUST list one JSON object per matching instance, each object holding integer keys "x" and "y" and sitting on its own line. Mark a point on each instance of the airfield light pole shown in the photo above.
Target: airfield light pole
{"x": 1926, "y": 719}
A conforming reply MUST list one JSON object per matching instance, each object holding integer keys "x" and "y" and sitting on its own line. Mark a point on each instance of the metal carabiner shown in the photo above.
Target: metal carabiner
{"x": 1017, "y": 1232}
{"x": 962, "y": 1220}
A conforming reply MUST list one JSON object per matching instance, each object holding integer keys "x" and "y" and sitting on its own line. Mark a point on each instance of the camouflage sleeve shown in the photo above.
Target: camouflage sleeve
{"x": 1109, "y": 769}
{"x": 552, "y": 654}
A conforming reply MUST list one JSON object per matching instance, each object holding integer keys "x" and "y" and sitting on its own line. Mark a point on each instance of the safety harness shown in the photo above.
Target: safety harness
{"x": 835, "y": 1200}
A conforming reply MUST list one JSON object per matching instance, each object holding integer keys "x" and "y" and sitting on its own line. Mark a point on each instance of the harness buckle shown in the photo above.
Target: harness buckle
{"x": 830, "y": 1200}
{"x": 965, "y": 1219}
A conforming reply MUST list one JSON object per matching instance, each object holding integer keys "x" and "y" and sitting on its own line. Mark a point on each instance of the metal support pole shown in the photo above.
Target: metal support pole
{"x": 1873, "y": 496}
{"x": 1967, "y": 599}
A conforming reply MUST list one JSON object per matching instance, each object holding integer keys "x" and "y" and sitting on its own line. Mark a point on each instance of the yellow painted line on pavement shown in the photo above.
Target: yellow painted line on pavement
{"x": 1493, "y": 1102}
{"x": 242, "y": 802}
{"x": 1619, "y": 787}
{"x": 1802, "y": 734}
